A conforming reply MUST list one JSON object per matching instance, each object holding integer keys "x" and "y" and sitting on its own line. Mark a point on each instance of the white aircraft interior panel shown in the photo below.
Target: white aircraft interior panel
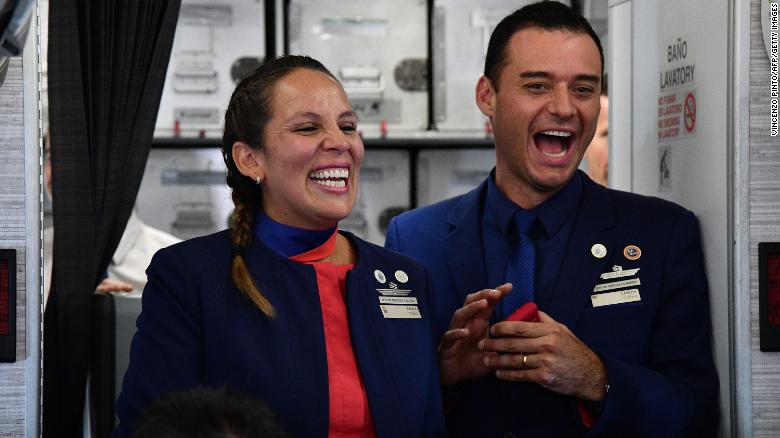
{"x": 377, "y": 49}
{"x": 442, "y": 174}
{"x": 184, "y": 193}
{"x": 680, "y": 120}
{"x": 461, "y": 32}
{"x": 384, "y": 192}
{"x": 217, "y": 43}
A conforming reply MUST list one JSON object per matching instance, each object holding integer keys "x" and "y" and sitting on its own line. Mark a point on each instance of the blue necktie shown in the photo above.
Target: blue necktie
{"x": 521, "y": 266}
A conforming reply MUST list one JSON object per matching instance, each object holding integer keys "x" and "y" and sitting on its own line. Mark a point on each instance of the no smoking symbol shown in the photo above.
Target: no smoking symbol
{"x": 690, "y": 112}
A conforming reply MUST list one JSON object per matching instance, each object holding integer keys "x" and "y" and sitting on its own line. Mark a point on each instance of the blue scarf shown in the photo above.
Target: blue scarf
{"x": 286, "y": 240}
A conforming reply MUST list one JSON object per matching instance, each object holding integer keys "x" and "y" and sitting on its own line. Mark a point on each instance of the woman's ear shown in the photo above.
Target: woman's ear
{"x": 249, "y": 161}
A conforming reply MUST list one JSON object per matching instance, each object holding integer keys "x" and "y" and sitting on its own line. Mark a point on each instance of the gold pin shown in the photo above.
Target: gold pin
{"x": 632, "y": 252}
{"x": 598, "y": 250}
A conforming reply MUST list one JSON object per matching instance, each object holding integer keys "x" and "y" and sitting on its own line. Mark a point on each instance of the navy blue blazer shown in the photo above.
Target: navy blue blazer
{"x": 657, "y": 352}
{"x": 197, "y": 329}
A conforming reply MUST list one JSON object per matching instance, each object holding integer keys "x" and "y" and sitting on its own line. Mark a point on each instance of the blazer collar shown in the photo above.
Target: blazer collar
{"x": 463, "y": 246}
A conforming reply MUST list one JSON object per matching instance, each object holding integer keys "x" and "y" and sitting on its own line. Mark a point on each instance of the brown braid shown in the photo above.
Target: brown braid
{"x": 243, "y": 222}
{"x": 245, "y": 120}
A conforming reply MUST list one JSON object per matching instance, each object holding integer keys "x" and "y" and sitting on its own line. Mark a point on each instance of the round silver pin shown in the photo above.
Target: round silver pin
{"x": 598, "y": 250}
{"x": 380, "y": 276}
{"x": 401, "y": 276}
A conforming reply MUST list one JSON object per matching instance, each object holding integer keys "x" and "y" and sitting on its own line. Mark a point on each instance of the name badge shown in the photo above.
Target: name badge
{"x": 398, "y": 300}
{"x": 616, "y": 285}
{"x": 402, "y": 312}
{"x": 619, "y": 297}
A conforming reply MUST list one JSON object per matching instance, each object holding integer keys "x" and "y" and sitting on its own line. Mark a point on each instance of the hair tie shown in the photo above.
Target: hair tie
{"x": 238, "y": 250}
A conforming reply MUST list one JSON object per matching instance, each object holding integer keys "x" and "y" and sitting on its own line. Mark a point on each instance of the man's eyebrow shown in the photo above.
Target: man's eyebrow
{"x": 588, "y": 78}
{"x": 545, "y": 75}
{"x": 534, "y": 74}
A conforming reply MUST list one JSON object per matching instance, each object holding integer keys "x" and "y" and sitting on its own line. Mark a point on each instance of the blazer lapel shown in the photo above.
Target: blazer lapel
{"x": 373, "y": 338}
{"x": 463, "y": 246}
{"x": 580, "y": 269}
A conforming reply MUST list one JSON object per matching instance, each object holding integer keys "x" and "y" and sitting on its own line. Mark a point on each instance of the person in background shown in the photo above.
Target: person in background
{"x": 126, "y": 273}
{"x": 623, "y": 345}
{"x": 208, "y": 413}
{"x": 597, "y": 155}
{"x": 334, "y": 333}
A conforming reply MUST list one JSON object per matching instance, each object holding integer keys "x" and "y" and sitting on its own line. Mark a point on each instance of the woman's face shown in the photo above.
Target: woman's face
{"x": 312, "y": 152}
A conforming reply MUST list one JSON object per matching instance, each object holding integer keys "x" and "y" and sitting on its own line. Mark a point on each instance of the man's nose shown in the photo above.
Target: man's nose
{"x": 560, "y": 104}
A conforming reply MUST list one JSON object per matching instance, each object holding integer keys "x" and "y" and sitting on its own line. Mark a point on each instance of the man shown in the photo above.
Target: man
{"x": 623, "y": 346}
{"x": 597, "y": 155}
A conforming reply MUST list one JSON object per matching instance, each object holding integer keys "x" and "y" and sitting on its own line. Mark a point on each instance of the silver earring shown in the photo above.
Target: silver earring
{"x": 258, "y": 180}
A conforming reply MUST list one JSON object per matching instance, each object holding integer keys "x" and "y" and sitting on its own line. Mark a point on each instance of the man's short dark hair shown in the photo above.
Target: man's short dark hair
{"x": 547, "y": 15}
{"x": 207, "y": 413}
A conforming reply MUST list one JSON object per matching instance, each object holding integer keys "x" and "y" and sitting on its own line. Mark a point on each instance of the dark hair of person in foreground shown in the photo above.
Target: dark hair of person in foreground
{"x": 208, "y": 413}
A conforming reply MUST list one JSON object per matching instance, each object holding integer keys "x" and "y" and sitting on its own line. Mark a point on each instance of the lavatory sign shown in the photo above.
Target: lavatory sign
{"x": 677, "y": 104}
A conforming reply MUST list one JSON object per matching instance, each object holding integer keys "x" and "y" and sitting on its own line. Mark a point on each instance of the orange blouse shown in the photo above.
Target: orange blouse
{"x": 348, "y": 411}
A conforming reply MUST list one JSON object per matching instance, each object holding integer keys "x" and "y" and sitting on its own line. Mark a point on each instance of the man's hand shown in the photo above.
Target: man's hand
{"x": 546, "y": 353}
{"x": 109, "y": 285}
{"x": 459, "y": 355}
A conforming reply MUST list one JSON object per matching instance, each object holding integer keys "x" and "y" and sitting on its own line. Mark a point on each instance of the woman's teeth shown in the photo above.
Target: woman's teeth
{"x": 335, "y": 178}
{"x": 339, "y": 184}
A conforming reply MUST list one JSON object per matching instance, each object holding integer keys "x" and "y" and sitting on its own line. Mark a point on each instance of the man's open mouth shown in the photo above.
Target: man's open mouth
{"x": 553, "y": 144}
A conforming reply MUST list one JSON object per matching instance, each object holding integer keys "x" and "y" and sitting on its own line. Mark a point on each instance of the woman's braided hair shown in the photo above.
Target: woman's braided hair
{"x": 246, "y": 117}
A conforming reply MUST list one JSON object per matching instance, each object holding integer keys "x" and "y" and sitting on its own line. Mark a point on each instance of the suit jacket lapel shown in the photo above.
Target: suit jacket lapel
{"x": 463, "y": 246}
{"x": 580, "y": 269}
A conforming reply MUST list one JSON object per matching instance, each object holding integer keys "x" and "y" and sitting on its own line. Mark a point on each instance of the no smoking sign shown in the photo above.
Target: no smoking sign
{"x": 689, "y": 112}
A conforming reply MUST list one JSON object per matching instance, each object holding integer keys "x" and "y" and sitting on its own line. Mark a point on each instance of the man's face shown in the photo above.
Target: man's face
{"x": 597, "y": 156}
{"x": 544, "y": 113}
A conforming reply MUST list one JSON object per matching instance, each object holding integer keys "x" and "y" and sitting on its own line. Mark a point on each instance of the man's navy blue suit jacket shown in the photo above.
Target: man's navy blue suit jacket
{"x": 657, "y": 352}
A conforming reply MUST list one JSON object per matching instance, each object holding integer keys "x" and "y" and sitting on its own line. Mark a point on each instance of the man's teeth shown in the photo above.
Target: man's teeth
{"x": 558, "y": 155}
{"x": 564, "y": 143}
{"x": 557, "y": 133}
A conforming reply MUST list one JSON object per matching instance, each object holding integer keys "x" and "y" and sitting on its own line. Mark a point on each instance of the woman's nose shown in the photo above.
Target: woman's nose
{"x": 336, "y": 140}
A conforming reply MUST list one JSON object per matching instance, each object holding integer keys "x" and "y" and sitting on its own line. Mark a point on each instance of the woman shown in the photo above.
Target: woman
{"x": 332, "y": 332}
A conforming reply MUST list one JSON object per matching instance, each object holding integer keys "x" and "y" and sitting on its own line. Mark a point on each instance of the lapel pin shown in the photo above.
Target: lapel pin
{"x": 380, "y": 276}
{"x": 632, "y": 252}
{"x": 401, "y": 276}
{"x": 598, "y": 250}
{"x": 618, "y": 271}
